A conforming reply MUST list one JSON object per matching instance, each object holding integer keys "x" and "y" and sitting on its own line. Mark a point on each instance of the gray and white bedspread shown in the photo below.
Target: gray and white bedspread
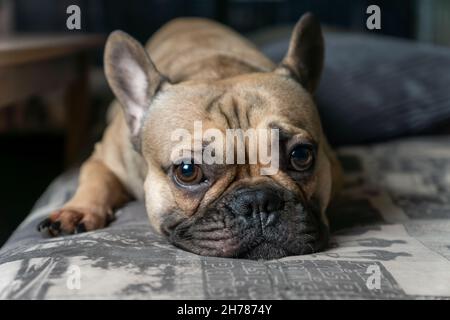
{"x": 391, "y": 240}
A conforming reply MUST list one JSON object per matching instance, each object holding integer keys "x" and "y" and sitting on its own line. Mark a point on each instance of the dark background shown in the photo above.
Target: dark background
{"x": 30, "y": 160}
{"x": 142, "y": 17}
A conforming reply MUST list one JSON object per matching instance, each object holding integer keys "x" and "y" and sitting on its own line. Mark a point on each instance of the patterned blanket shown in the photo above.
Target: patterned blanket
{"x": 391, "y": 239}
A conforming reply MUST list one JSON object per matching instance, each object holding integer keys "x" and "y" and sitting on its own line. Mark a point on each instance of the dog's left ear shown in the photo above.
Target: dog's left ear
{"x": 304, "y": 59}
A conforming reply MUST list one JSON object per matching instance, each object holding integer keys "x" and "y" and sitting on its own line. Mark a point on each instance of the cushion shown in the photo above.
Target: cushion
{"x": 390, "y": 239}
{"x": 375, "y": 87}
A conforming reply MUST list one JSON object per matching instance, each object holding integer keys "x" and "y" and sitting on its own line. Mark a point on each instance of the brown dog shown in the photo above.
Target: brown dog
{"x": 202, "y": 71}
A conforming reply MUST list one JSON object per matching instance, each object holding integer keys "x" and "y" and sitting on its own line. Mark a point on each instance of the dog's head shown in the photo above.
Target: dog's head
{"x": 221, "y": 208}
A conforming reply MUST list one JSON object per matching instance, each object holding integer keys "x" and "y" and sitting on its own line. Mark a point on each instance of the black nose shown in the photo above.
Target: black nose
{"x": 260, "y": 204}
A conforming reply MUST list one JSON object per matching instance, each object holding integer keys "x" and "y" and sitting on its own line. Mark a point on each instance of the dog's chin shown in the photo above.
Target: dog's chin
{"x": 265, "y": 251}
{"x": 261, "y": 251}
{"x": 221, "y": 243}
{"x": 269, "y": 251}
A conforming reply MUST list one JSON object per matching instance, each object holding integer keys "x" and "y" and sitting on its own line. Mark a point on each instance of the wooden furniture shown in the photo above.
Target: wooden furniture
{"x": 35, "y": 65}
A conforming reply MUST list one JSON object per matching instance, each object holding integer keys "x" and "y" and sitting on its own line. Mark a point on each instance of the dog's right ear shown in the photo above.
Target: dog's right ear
{"x": 132, "y": 77}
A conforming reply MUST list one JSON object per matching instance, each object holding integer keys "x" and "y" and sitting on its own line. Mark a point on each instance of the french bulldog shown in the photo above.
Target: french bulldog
{"x": 191, "y": 70}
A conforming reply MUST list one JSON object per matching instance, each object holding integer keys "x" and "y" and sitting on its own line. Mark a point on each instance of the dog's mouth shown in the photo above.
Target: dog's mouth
{"x": 294, "y": 232}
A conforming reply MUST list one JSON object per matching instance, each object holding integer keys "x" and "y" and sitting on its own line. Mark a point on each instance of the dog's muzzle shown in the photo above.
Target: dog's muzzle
{"x": 255, "y": 223}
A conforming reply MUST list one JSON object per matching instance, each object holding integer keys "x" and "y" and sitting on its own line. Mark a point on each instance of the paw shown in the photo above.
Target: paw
{"x": 72, "y": 221}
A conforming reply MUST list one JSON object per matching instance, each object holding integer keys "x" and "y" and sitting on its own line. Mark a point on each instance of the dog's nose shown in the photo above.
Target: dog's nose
{"x": 259, "y": 204}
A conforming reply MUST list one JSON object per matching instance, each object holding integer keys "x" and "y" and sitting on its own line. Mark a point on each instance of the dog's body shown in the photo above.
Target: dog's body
{"x": 206, "y": 72}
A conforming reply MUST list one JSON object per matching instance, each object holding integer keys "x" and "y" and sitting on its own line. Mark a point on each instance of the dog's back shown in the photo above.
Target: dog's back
{"x": 196, "y": 48}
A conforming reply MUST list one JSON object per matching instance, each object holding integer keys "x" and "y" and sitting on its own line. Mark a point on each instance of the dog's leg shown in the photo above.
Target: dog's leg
{"x": 99, "y": 192}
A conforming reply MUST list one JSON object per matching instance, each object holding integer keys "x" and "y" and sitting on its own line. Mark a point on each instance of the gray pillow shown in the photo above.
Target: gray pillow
{"x": 374, "y": 87}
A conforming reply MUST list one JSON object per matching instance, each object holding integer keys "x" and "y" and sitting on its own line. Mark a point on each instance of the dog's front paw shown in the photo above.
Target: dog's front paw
{"x": 71, "y": 220}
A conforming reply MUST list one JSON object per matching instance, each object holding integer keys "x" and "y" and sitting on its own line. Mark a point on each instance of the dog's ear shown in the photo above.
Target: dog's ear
{"x": 132, "y": 77}
{"x": 304, "y": 59}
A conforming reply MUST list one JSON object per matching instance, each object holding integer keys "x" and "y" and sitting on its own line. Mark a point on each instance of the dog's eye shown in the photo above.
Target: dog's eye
{"x": 188, "y": 173}
{"x": 302, "y": 157}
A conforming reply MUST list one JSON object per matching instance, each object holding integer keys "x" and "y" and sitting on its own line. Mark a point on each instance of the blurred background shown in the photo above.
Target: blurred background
{"x": 33, "y": 127}
{"x": 416, "y": 19}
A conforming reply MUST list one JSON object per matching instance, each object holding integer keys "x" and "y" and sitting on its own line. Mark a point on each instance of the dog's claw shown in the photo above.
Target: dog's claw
{"x": 55, "y": 228}
{"x": 80, "y": 228}
{"x": 44, "y": 224}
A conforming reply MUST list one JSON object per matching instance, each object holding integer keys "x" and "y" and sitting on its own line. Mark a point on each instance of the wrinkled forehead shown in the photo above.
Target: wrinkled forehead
{"x": 252, "y": 102}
